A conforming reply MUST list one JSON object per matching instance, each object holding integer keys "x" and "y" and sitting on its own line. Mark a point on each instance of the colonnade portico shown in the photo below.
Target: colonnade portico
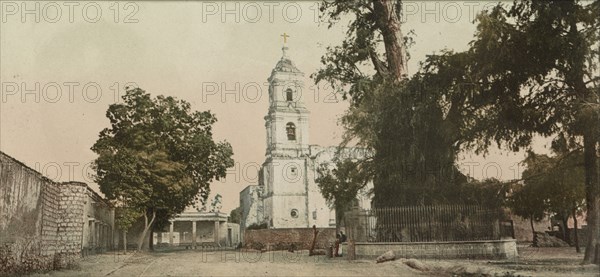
{"x": 191, "y": 228}
{"x": 97, "y": 236}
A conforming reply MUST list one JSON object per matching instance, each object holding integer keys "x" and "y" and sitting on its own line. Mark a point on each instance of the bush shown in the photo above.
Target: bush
{"x": 257, "y": 245}
{"x": 257, "y": 226}
{"x": 22, "y": 258}
{"x": 27, "y": 257}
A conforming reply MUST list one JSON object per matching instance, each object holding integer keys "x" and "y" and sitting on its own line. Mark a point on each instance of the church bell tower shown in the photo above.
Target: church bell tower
{"x": 284, "y": 173}
{"x": 287, "y": 118}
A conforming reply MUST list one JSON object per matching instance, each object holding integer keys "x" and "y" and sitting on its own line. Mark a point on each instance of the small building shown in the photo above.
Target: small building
{"x": 190, "y": 229}
{"x": 193, "y": 228}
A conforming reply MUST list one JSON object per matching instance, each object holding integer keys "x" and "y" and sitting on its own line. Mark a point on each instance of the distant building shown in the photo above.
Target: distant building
{"x": 193, "y": 228}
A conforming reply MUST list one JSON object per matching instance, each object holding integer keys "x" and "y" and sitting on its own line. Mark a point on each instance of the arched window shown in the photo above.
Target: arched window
{"x": 291, "y": 131}
{"x": 289, "y": 95}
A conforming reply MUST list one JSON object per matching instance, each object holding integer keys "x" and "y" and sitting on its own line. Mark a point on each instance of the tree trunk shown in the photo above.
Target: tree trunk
{"x": 151, "y": 239}
{"x": 532, "y": 228}
{"x": 388, "y": 14}
{"x": 125, "y": 241}
{"x": 147, "y": 226}
{"x": 575, "y": 236}
{"x": 565, "y": 227}
{"x": 339, "y": 219}
{"x": 592, "y": 249}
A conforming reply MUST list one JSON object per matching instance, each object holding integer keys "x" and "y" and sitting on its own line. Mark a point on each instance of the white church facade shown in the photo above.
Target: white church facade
{"x": 287, "y": 195}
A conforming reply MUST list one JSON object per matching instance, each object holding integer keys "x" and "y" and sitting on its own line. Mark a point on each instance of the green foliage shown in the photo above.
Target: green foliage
{"x": 235, "y": 216}
{"x": 415, "y": 128}
{"x": 341, "y": 182}
{"x": 350, "y": 67}
{"x": 527, "y": 202}
{"x": 551, "y": 185}
{"x": 536, "y": 64}
{"x": 27, "y": 255}
{"x": 415, "y": 135}
{"x": 158, "y": 156}
{"x": 532, "y": 69}
{"x": 256, "y": 226}
{"x": 489, "y": 193}
{"x": 216, "y": 204}
{"x": 125, "y": 217}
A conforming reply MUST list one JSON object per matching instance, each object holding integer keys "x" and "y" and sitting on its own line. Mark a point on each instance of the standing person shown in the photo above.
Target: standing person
{"x": 338, "y": 239}
{"x": 342, "y": 239}
{"x": 311, "y": 251}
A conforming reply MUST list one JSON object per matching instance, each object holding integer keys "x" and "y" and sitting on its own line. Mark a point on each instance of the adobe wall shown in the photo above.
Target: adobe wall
{"x": 22, "y": 197}
{"x": 28, "y": 218}
{"x": 41, "y": 221}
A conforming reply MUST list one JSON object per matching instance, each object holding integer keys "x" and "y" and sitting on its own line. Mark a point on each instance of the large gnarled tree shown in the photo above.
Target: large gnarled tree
{"x": 413, "y": 129}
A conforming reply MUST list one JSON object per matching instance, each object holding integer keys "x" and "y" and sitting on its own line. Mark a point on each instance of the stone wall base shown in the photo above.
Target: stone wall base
{"x": 282, "y": 239}
{"x": 488, "y": 249}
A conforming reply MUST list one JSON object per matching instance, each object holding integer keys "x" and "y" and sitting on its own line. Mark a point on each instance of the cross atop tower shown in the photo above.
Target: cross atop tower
{"x": 285, "y": 36}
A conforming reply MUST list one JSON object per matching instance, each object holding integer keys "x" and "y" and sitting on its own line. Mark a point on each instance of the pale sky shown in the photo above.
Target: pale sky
{"x": 74, "y": 62}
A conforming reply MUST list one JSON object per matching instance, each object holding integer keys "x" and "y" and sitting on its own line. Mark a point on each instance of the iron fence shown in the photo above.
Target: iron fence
{"x": 427, "y": 224}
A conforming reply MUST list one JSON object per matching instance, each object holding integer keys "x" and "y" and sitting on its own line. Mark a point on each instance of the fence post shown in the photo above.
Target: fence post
{"x": 512, "y": 229}
{"x": 351, "y": 250}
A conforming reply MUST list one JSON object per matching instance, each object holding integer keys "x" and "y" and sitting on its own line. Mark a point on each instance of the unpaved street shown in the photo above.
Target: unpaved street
{"x": 532, "y": 262}
{"x": 230, "y": 263}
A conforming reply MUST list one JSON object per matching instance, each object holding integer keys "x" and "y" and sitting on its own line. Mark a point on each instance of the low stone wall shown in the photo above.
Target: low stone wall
{"x": 489, "y": 249}
{"x": 279, "y": 239}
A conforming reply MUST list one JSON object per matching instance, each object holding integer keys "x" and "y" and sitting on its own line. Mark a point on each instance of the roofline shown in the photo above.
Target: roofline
{"x": 40, "y": 175}
{"x": 44, "y": 178}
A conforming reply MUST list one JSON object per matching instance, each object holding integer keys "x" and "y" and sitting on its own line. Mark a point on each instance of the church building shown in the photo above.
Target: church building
{"x": 287, "y": 195}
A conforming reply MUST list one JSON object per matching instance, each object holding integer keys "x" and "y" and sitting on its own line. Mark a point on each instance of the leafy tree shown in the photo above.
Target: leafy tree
{"x": 536, "y": 65}
{"x": 489, "y": 193}
{"x": 530, "y": 198}
{"x": 340, "y": 184}
{"x": 411, "y": 126}
{"x": 528, "y": 203}
{"x": 235, "y": 216}
{"x": 532, "y": 69}
{"x": 554, "y": 184}
{"x": 157, "y": 157}
{"x": 125, "y": 217}
{"x": 216, "y": 204}
{"x": 376, "y": 25}
{"x": 567, "y": 188}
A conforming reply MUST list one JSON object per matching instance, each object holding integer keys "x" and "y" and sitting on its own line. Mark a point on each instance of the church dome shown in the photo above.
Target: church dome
{"x": 285, "y": 64}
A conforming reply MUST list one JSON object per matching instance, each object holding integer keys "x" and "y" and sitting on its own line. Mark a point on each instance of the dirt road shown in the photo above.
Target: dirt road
{"x": 532, "y": 262}
{"x": 230, "y": 263}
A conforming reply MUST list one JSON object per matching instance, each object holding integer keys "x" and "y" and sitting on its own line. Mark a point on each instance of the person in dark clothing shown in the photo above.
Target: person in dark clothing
{"x": 340, "y": 238}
